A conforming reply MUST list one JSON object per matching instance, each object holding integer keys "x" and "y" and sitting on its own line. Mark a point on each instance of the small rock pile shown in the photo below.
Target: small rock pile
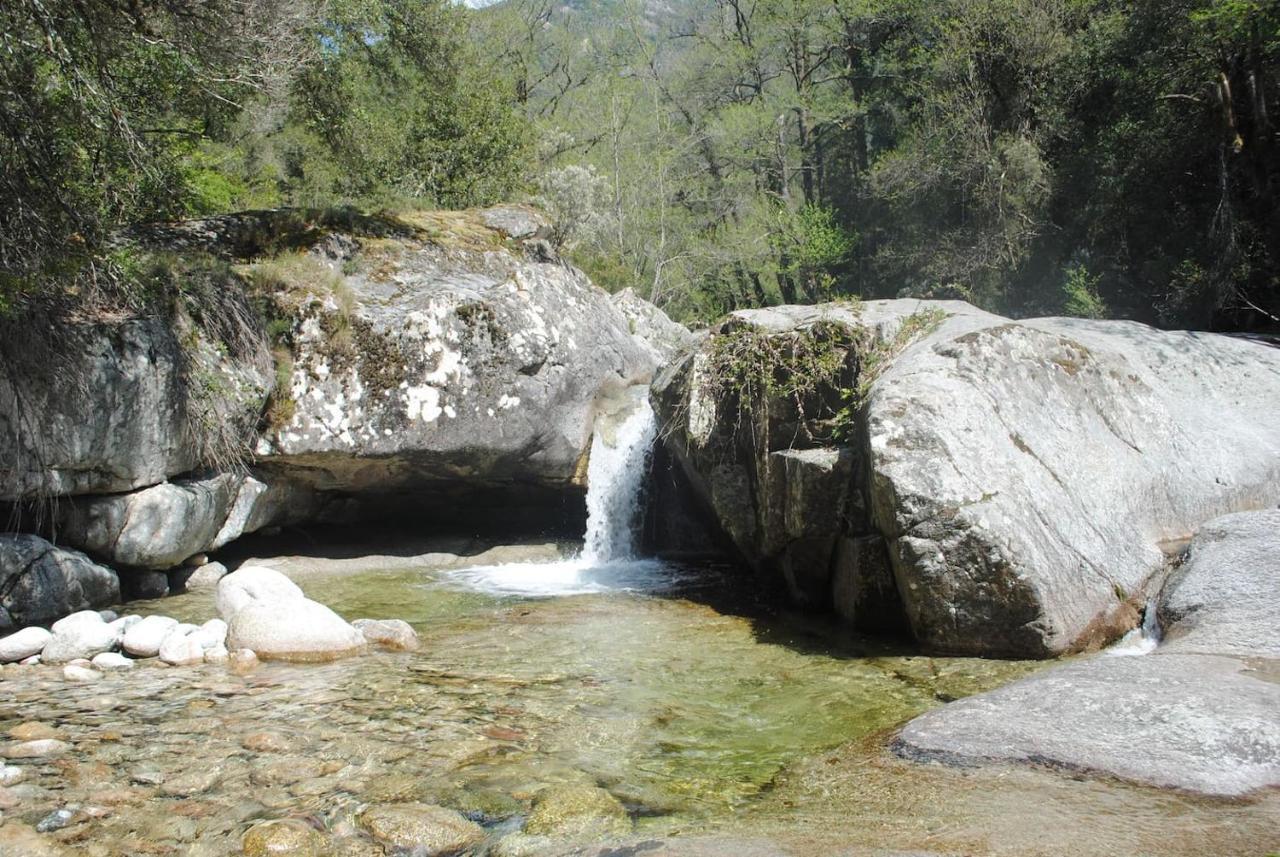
{"x": 264, "y": 615}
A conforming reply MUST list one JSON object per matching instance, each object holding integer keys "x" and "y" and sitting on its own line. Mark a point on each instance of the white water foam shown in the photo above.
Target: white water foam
{"x": 1142, "y": 640}
{"x": 615, "y": 491}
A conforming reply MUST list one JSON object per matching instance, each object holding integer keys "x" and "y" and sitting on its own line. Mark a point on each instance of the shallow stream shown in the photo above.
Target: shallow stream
{"x": 704, "y": 721}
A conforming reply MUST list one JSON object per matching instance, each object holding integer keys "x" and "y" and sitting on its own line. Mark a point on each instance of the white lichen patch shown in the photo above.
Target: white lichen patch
{"x": 421, "y": 402}
{"x": 507, "y": 402}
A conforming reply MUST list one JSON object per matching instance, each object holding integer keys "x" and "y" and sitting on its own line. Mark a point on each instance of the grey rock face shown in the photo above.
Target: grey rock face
{"x": 467, "y": 366}
{"x": 161, "y": 526}
{"x": 1200, "y": 723}
{"x": 41, "y": 582}
{"x": 516, "y": 221}
{"x": 125, "y": 424}
{"x": 1025, "y": 476}
{"x": 156, "y": 527}
{"x": 663, "y": 337}
{"x": 1226, "y": 598}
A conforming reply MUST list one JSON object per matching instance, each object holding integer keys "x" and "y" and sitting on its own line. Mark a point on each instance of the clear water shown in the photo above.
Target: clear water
{"x": 704, "y": 719}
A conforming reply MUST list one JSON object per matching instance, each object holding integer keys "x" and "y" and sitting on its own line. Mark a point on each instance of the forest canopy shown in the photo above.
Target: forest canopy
{"x": 1100, "y": 159}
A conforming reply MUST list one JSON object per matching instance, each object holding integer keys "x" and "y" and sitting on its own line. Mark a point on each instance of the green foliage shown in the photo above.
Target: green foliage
{"x": 803, "y": 149}
{"x": 1080, "y": 294}
{"x": 750, "y": 366}
{"x": 402, "y": 109}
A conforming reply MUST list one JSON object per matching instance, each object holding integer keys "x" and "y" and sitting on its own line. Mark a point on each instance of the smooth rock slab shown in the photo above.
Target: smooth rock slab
{"x": 297, "y": 630}
{"x": 23, "y": 644}
{"x": 1193, "y": 722}
{"x": 428, "y": 829}
{"x": 1225, "y": 599}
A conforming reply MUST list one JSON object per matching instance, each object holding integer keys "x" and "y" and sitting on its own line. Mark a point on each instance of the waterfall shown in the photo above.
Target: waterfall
{"x": 615, "y": 486}
{"x": 1143, "y": 639}
{"x": 616, "y": 472}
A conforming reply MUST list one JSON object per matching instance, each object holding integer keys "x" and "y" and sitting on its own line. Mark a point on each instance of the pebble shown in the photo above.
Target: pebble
{"x": 243, "y": 661}
{"x": 75, "y": 672}
{"x": 23, "y": 644}
{"x": 40, "y": 749}
{"x": 11, "y": 774}
{"x": 426, "y": 828}
{"x": 146, "y": 775}
{"x": 143, "y": 639}
{"x": 216, "y": 655}
{"x": 191, "y": 782}
{"x": 55, "y": 820}
{"x": 266, "y": 742}
{"x": 286, "y": 837}
{"x": 109, "y": 661}
{"x": 181, "y": 648}
{"x": 388, "y": 633}
{"x": 211, "y": 633}
{"x": 32, "y": 730}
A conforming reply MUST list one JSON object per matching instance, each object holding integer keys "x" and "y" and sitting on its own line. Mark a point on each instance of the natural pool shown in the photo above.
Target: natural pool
{"x": 720, "y": 727}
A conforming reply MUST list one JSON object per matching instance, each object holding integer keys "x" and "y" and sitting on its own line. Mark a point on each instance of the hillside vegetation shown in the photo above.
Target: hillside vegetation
{"x": 1083, "y": 157}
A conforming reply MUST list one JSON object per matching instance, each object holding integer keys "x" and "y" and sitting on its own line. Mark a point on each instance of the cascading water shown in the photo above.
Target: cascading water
{"x": 615, "y": 486}
{"x": 615, "y": 491}
{"x": 1141, "y": 640}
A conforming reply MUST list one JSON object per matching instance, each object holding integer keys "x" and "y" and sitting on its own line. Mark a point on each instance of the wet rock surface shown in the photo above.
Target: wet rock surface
{"x": 577, "y": 810}
{"x": 428, "y": 830}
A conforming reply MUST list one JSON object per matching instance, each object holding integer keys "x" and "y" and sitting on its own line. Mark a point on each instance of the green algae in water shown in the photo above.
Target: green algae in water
{"x": 677, "y": 708}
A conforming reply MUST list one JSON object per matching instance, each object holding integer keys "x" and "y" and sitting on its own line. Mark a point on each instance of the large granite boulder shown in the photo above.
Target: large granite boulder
{"x": 456, "y": 364}
{"x": 1028, "y": 479}
{"x": 123, "y": 407}
{"x": 41, "y": 582}
{"x": 157, "y": 527}
{"x": 1225, "y": 599}
{"x": 161, "y": 526}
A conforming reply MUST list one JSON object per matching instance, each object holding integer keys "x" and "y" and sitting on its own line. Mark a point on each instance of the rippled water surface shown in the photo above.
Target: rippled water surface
{"x": 701, "y": 721}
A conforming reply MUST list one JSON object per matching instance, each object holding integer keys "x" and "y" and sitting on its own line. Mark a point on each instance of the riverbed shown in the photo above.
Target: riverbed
{"x": 711, "y": 719}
